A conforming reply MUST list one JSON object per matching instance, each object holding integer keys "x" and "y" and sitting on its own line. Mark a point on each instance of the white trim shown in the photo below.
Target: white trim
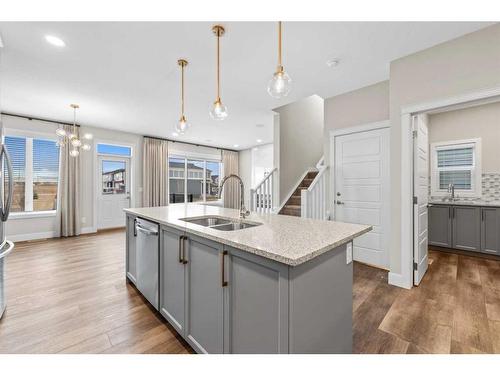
{"x": 86, "y": 230}
{"x": 397, "y": 279}
{"x": 464, "y": 101}
{"x": 31, "y": 214}
{"x": 32, "y": 236}
{"x": 95, "y": 157}
{"x": 406, "y": 203}
{"x": 476, "y": 170}
{"x": 345, "y": 131}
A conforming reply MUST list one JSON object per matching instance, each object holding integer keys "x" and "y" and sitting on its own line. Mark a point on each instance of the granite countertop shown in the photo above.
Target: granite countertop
{"x": 477, "y": 202}
{"x": 285, "y": 239}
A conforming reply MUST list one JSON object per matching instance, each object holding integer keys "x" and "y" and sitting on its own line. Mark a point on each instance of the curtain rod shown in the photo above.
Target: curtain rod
{"x": 146, "y": 136}
{"x": 38, "y": 119}
{"x": 188, "y": 143}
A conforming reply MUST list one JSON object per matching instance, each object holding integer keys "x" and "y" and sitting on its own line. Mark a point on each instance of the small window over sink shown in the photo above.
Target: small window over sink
{"x": 456, "y": 163}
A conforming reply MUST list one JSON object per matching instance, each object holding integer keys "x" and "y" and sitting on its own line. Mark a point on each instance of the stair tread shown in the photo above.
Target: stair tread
{"x": 292, "y": 206}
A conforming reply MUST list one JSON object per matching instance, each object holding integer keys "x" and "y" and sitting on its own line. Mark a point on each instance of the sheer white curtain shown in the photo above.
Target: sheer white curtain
{"x": 231, "y": 187}
{"x": 155, "y": 172}
{"x": 69, "y": 190}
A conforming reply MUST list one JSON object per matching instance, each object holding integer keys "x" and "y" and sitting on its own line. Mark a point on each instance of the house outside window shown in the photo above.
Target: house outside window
{"x": 187, "y": 182}
{"x": 456, "y": 163}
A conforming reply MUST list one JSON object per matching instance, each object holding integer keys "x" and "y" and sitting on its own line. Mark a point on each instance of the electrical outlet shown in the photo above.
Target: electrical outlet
{"x": 348, "y": 253}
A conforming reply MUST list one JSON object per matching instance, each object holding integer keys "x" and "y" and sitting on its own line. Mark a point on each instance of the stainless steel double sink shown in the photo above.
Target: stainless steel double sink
{"x": 220, "y": 223}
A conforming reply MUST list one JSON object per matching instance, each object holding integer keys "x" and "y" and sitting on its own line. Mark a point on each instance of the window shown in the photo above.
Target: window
{"x": 456, "y": 163}
{"x": 35, "y": 164}
{"x": 107, "y": 149}
{"x": 186, "y": 181}
{"x": 113, "y": 177}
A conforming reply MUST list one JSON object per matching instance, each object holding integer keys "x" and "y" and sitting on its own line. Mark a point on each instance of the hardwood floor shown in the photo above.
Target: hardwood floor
{"x": 70, "y": 296}
{"x": 456, "y": 308}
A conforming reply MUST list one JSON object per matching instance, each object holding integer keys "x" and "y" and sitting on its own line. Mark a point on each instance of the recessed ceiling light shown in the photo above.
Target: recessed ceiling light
{"x": 55, "y": 41}
{"x": 259, "y": 140}
{"x": 175, "y": 134}
{"x": 332, "y": 63}
{"x": 236, "y": 146}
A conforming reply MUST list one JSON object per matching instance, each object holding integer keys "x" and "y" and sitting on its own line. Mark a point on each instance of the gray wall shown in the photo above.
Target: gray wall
{"x": 463, "y": 65}
{"x": 476, "y": 122}
{"x": 300, "y": 140}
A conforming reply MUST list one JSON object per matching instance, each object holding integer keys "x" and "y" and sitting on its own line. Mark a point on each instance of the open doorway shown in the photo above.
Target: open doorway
{"x": 448, "y": 200}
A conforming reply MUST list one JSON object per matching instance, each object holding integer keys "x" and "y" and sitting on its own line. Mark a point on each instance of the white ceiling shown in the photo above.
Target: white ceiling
{"x": 124, "y": 75}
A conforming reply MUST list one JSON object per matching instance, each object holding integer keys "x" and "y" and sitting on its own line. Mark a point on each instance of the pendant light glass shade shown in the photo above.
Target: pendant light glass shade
{"x": 182, "y": 126}
{"x": 280, "y": 84}
{"x": 218, "y": 110}
{"x": 74, "y": 153}
{"x": 60, "y": 132}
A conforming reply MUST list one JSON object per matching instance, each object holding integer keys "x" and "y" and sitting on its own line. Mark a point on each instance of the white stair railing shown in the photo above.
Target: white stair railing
{"x": 263, "y": 196}
{"x": 313, "y": 199}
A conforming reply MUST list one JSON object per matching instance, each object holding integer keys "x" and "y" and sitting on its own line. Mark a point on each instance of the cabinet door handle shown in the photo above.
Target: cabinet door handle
{"x": 223, "y": 278}
{"x": 449, "y": 212}
{"x": 184, "y": 260}
{"x": 482, "y": 215}
{"x": 135, "y": 229}
{"x": 180, "y": 248}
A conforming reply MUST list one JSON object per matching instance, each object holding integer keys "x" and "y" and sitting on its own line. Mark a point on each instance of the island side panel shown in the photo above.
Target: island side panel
{"x": 321, "y": 304}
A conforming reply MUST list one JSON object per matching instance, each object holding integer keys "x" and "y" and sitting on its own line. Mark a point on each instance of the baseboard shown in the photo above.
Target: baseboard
{"x": 397, "y": 279}
{"x": 32, "y": 236}
{"x": 86, "y": 230}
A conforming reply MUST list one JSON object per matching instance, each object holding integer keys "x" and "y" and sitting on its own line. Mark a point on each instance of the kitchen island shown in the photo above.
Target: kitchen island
{"x": 281, "y": 284}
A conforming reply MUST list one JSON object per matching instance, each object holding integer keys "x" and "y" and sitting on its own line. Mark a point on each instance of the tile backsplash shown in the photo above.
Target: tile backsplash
{"x": 490, "y": 185}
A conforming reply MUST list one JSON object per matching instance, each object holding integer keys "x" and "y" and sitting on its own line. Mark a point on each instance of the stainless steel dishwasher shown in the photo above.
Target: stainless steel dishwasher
{"x": 147, "y": 260}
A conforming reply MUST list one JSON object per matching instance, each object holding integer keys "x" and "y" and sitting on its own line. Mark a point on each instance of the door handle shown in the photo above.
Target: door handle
{"x": 222, "y": 266}
{"x": 339, "y": 202}
{"x": 181, "y": 245}
{"x": 5, "y": 209}
{"x": 184, "y": 260}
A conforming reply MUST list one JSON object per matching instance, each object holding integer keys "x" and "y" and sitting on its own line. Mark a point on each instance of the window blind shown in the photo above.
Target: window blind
{"x": 455, "y": 157}
{"x": 45, "y": 161}
{"x": 16, "y": 146}
{"x": 462, "y": 180}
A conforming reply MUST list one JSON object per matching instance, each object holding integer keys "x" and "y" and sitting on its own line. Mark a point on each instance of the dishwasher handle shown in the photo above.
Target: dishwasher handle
{"x": 145, "y": 230}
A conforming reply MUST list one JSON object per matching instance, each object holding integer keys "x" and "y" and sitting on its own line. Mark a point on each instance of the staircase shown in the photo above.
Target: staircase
{"x": 293, "y": 206}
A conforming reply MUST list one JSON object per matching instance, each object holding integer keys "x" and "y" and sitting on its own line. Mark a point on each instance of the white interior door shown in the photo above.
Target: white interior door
{"x": 113, "y": 191}
{"x": 362, "y": 191}
{"x": 421, "y": 193}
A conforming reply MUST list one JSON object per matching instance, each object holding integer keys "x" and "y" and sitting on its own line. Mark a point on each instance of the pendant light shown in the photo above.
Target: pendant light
{"x": 281, "y": 83}
{"x": 182, "y": 125}
{"x": 218, "y": 110}
{"x": 65, "y": 138}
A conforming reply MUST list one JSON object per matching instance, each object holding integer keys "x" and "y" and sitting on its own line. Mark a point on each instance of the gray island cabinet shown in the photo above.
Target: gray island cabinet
{"x": 224, "y": 299}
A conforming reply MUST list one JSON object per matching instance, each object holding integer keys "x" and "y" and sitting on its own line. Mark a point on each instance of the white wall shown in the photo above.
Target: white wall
{"x": 475, "y": 122}
{"x": 33, "y": 228}
{"x": 300, "y": 140}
